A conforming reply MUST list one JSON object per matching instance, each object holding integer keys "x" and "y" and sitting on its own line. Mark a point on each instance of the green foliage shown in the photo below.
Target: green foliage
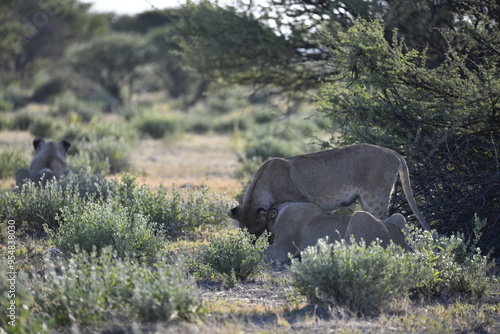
{"x": 14, "y": 288}
{"x": 230, "y": 47}
{"x": 34, "y": 34}
{"x": 157, "y": 126}
{"x": 460, "y": 267}
{"x": 5, "y": 106}
{"x": 443, "y": 119}
{"x": 22, "y": 120}
{"x": 43, "y": 127}
{"x": 167, "y": 210}
{"x": 367, "y": 279}
{"x": 173, "y": 211}
{"x": 112, "y": 61}
{"x": 236, "y": 256}
{"x": 91, "y": 290}
{"x": 10, "y": 162}
{"x": 98, "y": 225}
{"x": 34, "y": 205}
{"x": 49, "y": 90}
{"x": 363, "y": 279}
{"x": 67, "y": 105}
{"x": 107, "y": 155}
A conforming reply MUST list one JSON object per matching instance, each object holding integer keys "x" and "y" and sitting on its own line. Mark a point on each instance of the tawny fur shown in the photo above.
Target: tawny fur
{"x": 295, "y": 226}
{"x": 49, "y": 161}
{"x": 331, "y": 179}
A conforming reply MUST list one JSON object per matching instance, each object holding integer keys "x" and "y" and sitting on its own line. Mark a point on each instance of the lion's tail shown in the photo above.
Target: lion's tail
{"x": 404, "y": 175}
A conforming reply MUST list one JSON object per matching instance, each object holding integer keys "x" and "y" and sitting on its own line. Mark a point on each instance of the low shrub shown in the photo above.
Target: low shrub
{"x": 35, "y": 206}
{"x": 173, "y": 211}
{"x": 363, "y": 279}
{"x": 98, "y": 225}
{"x": 68, "y": 105}
{"x": 22, "y": 120}
{"x": 367, "y": 279}
{"x": 107, "y": 155}
{"x": 16, "y": 97}
{"x": 234, "y": 257}
{"x": 92, "y": 290}
{"x": 42, "y": 127}
{"x": 17, "y": 317}
{"x": 156, "y": 126}
{"x": 460, "y": 267}
{"x": 49, "y": 90}
{"x": 6, "y": 105}
{"x": 10, "y": 162}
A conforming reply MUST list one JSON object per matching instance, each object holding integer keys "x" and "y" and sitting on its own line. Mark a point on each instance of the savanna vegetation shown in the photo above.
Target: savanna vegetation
{"x": 134, "y": 241}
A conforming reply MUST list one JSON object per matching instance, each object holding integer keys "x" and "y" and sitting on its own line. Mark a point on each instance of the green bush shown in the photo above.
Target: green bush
{"x": 173, "y": 211}
{"x": 68, "y": 105}
{"x": 460, "y": 268}
{"x": 17, "y": 98}
{"x": 98, "y": 225}
{"x": 17, "y": 291}
{"x": 10, "y": 162}
{"x": 156, "y": 126}
{"x": 6, "y": 105}
{"x": 363, "y": 279}
{"x": 49, "y": 90}
{"x": 42, "y": 127}
{"x": 235, "y": 257}
{"x": 367, "y": 279}
{"x": 91, "y": 290}
{"x": 22, "y": 120}
{"x": 229, "y": 124}
{"x": 36, "y": 206}
{"x": 107, "y": 155}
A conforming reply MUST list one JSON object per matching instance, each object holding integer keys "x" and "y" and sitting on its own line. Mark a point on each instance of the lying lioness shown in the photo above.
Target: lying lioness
{"x": 295, "y": 226}
{"x": 364, "y": 225}
{"x": 49, "y": 161}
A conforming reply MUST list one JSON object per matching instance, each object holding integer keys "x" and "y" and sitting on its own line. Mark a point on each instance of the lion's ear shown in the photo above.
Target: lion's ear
{"x": 272, "y": 213}
{"x": 37, "y": 142}
{"x": 66, "y": 144}
{"x": 235, "y": 212}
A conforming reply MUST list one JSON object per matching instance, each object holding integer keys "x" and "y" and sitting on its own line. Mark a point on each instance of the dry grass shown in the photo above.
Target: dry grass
{"x": 196, "y": 160}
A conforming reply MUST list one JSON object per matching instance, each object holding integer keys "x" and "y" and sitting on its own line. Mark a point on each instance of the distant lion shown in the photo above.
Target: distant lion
{"x": 49, "y": 161}
{"x": 331, "y": 179}
{"x": 295, "y": 226}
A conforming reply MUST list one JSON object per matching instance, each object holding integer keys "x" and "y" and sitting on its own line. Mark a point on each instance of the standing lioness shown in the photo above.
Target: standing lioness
{"x": 48, "y": 162}
{"x": 330, "y": 179}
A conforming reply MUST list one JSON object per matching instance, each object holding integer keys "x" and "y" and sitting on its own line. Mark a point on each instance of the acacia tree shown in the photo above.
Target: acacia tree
{"x": 283, "y": 43}
{"x": 444, "y": 119}
{"x": 35, "y": 32}
{"x": 112, "y": 61}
